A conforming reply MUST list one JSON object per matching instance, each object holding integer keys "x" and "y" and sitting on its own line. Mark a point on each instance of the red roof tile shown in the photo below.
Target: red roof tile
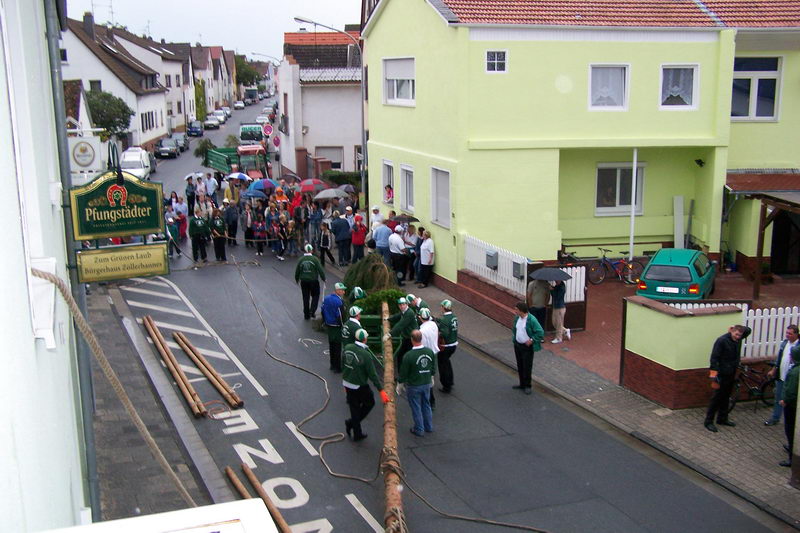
{"x": 216, "y": 51}
{"x": 318, "y": 38}
{"x": 787, "y": 181}
{"x": 756, "y": 13}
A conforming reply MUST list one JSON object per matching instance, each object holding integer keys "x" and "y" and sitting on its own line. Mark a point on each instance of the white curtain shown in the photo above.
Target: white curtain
{"x": 677, "y": 86}
{"x": 608, "y": 86}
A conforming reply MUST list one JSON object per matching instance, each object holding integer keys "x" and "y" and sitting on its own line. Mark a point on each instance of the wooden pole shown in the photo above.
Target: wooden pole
{"x": 208, "y": 371}
{"x": 237, "y": 483}
{"x": 391, "y": 480}
{"x": 283, "y": 527}
{"x": 759, "y": 251}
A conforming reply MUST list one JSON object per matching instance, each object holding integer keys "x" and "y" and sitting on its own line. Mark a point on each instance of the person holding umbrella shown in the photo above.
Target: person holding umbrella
{"x": 308, "y": 273}
{"x": 558, "y": 292}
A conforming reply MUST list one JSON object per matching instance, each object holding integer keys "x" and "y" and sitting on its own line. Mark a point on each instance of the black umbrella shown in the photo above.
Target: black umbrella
{"x": 405, "y": 219}
{"x": 346, "y": 187}
{"x": 550, "y": 274}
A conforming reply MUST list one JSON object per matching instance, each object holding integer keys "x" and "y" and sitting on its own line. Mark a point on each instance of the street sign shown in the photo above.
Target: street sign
{"x": 267, "y": 129}
{"x": 104, "y": 208}
{"x": 276, "y": 141}
{"x": 123, "y": 262}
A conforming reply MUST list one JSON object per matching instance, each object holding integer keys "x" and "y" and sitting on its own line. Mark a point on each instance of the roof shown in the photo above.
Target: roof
{"x": 753, "y": 182}
{"x": 630, "y": 13}
{"x": 319, "y": 37}
{"x": 113, "y": 55}
{"x": 72, "y": 98}
{"x": 216, "y": 52}
{"x": 148, "y": 44}
{"x": 328, "y": 75}
{"x": 230, "y": 61}
{"x": 200, "y": 57}
{"x": 181, "y": 50}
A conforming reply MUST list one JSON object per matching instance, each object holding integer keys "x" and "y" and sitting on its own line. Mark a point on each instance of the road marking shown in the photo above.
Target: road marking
{"x": 150, "y": 282}
{"x": 221, "y": 375}
{"x": 303, "y": 440}
{"x": 159, "y": 308}
{"x": 360, "y": 509}
{"x": 253, "y": 381}
{"x": 150, "y": 293}
{"x": 167, "y": 325}
{"x": 203, "y": 351}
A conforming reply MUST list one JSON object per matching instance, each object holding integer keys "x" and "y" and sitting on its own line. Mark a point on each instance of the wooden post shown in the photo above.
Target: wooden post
{"x": 391, "y": 481}
{"x": 759, "y": 251}
{"x": 274, "y": 512}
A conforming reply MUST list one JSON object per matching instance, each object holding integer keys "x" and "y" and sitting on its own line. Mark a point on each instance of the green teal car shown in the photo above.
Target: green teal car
{"x": 678, "y": 274}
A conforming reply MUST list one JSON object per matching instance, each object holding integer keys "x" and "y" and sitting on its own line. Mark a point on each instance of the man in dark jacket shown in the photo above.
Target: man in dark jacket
{"x": 343, "y": 235}
{"x": 231, "y": 217}
{"x": 333, "y": 316}
{"x": 724, "y": 363}
{"x": 789, "y": 403}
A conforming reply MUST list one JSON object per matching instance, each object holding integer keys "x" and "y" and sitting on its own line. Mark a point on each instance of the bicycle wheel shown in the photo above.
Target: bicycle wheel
{"x": 767, "y": 391}
{"x": 596, "y": 273}
{"x": 734, "y": 395}
{"x": 631, "y": 272}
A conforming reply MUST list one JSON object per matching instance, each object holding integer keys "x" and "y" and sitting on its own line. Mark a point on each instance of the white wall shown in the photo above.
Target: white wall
{"x": 41, "y": 485}
{"x": 332, "y": 115}
{"x": 289, "y": 83}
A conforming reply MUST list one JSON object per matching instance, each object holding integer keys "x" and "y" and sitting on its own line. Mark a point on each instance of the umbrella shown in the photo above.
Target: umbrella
{"x": 405, "y": 219}
{"x": 264, "y": 185}
{"x": 312, "y": 185}
{"x": 327, "y": 194}
{"x": 238, "y": 176}
{"x": 550, "y": 274}
{"x": 254, "y": 194}
{"x": 346, "y": 187}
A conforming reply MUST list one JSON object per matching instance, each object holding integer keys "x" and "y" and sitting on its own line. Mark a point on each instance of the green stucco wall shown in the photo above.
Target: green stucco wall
{"x": 743, "y": 229}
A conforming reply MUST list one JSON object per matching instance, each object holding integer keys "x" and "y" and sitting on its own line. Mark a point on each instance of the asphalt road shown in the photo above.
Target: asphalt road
{"x": 495, "y": 453}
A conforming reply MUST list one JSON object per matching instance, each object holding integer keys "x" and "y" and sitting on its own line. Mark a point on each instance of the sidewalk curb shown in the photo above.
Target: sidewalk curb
{"x": 198, "y": 453}
{"x": 760, "y": 504}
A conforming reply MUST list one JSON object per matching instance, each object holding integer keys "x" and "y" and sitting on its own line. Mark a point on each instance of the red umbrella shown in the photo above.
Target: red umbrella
{"x": 312, "y": 185}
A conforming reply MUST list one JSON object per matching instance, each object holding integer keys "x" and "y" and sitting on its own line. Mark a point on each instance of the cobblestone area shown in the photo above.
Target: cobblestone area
{"x": 131, "y": 481}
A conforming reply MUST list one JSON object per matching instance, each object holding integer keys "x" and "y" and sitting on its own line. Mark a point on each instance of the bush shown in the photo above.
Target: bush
{"x": 340, "y": 178}
{"x": 371, "y": 305}
{"x": 232, "y": 141}
{"x": 202, "y": 148}
{"x": 371, "y": 274}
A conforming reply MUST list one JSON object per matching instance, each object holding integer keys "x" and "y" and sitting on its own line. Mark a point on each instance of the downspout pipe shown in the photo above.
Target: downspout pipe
{"x": 53, "y": 33}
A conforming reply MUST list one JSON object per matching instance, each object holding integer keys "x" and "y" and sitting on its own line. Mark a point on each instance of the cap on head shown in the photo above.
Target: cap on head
{"x": 398, "y": 229}
{"x": 361, "y": 335}
{"x": 348, "y": 208}
{"x": 447, "y": 304}
{"x": 355, "y": 311}
{"x": 376, "y": 208}
{"x": 359, "y": 218}
{"x": 226, "y": 201}
{"x": 308, "y": 248}
{"x": 340, "y": 287}
{"x": 358, "y": 293}
{"x": 402, "y": 301}
{"x": 410, "y": 298}
{"x": 424, "y": 313}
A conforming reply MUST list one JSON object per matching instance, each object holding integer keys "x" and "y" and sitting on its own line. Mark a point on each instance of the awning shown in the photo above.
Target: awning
{"x": 787, "y": 180}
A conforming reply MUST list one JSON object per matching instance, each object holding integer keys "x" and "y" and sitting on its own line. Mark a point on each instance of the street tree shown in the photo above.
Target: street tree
{"x": 246, "y": 75}
{"x": 202, "y": 148}
{"x": 109, "y": 112}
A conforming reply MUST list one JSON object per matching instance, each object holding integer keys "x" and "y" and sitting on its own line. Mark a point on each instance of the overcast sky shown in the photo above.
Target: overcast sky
{"x": 244, "y": 26}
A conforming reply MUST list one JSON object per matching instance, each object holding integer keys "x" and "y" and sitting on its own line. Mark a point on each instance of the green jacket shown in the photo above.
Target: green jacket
{"x": 790, "y": 385}
{"x": 533, "y": 329}
{"x": 418, "y": 308}
{"x": 218, "y": 227}
{"x": 198, "y": 227}
{"x": 358, "y": 367}
{"x": 448, "y": 328}
{"x": 405, "y": 323}
{"x": 349, "y": 329}
{"x": 419, "y": 366}
{"x": 308, "y": 269}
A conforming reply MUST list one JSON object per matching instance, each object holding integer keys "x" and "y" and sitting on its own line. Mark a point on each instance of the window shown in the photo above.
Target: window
{"x": 440, "y": 201}
{"x": 755, "y": 88}
{"x": 142, "y": 120}
{"x": 678, "y": 87}
{"x": 177, "y": 80}
{"x": 407, "y": 177}
{"x": 495, "y": 61}
{"x": 63, "y": 55}
{"x": 399, "y": 87}
{"x": 168, "y": 80}
{"x": 608, "y": 88}
{"x": 701, "y": 265}
{"x": 614, "y": 189}
{"x": 334, "y": 153}
{"x": 358, "y": 160}
{"x": 388, "y": 182}
{"x": 95, "y": 85}
{"x": 180, "y": 108}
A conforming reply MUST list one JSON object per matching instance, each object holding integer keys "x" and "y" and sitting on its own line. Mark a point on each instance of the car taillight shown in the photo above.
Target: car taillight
{"x": 642, "y": 286}
{"x": 694, "y": 288}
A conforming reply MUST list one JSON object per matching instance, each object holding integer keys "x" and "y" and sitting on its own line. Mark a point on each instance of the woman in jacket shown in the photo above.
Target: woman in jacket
{"x": 247, "y": 221}
{"x": 325, "y": 243}
{"x": 359, "y": 237}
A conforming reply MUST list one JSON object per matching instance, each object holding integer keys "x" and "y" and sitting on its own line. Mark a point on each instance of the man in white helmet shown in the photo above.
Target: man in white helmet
{"x": 358, "y": 369}
{"x": 352, "y": 325}
{"x": 308, "y": 273}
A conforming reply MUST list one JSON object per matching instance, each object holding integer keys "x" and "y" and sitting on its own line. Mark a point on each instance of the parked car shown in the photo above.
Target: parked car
{"x": 238, "y": 104}
{"x": 262, "y": 119}
{"x": 211, "y": 123}
{"x": 221, "y": 116}
{"x": 195, "y": 129}
{"x": 228, "y": 112}
{"x": 247, "y": 101}
{"x": 136, "y": 161}
{"x": 167, "y": 147}
{"x": 678, "y": 274}
{"x": 182, "y": 139}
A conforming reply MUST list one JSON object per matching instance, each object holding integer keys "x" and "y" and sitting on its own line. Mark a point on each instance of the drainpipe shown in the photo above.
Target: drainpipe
{"x": 53, "y": 32}
{"x": 633, "y": 200}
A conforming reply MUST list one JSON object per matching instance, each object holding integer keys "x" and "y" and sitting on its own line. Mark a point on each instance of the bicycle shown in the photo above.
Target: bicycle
{"x": 627, "y": 271}
{"x": 759, "y": 386}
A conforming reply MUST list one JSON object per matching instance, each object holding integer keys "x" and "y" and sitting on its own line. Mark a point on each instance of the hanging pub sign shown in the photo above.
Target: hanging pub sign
{"x": 107, "y": 208}
{"x": 122, "y": 262}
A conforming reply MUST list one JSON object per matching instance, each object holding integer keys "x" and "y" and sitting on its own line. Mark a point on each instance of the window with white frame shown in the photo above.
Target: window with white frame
{"x": 388, "y": 182}
{"x": 399, "y": 81}
{"x": 407, "y": 180}
{"x": 440, "y": 197}
{"x": 614, "y": 189}
{"x": 334, "y": 153}
{"x": 608, "y": 87}
{"x": 495, "y": 61}
{"x": 679, "y": 87}
{"x": 755, "y": 88}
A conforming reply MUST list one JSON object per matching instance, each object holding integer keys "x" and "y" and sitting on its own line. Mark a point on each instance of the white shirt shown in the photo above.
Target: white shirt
{"x": 522, "y": 333}
{"x": 430, "y": 335}
{"x": 376, "y": 217}
{"x": 426, "y": 252}
{"x": 396, "y": 244}
{"x": 201, "y": 186}
{"x": 786, "y": 360}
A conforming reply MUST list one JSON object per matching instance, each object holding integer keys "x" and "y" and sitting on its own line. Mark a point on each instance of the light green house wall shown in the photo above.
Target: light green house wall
{"x": 742, "y": 235}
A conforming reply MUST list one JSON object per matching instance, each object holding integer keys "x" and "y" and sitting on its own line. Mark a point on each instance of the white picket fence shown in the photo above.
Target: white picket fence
{"x": 475, "y": 261}
{"x": 769, "y": 328}
{"x": 690, "y": 306}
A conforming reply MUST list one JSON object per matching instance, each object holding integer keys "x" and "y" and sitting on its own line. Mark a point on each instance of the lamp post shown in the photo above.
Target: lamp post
{"x": 304, "y": 20}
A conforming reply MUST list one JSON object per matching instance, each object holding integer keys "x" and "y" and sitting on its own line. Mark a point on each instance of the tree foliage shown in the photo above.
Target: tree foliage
{"x": 371, "y": 274}
{"x": 232, "y": 141}
{"x": 109, "y": 112}
{"x": 202, "y": 148}
{"x": 200, "y": 99}
{"x": 246, "y": 74}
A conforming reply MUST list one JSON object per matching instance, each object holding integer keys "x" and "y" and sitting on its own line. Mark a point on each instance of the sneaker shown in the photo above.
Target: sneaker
{"x": 568, "y": 333}
{"x": 556, "y": 341}
{"x": 281, "y": 258}
{"x": 770, "y": 422}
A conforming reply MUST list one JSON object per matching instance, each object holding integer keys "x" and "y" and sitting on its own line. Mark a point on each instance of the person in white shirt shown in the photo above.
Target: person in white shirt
{"x": 211, "y": 188}
{"x": 201, "y": 185}
{"x": 397, "y": 254}
{"x": 376, "y": 216}
{"x": 783, "y": 363}
{"x": 430, "y": 338}
{"x": 426, "y": 258}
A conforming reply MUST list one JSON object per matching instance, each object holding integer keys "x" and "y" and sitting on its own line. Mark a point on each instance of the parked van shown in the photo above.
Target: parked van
{"x": 136, "y": 161}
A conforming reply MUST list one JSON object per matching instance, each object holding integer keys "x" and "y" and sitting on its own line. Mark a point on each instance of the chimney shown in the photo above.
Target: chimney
{"x": 163, "y": 41}
{"x": 88, "y": 24}
{"x": 302, "y": 30}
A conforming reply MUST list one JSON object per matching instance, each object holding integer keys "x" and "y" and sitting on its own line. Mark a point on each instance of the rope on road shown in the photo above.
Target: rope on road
{"x": 108, "y": 371}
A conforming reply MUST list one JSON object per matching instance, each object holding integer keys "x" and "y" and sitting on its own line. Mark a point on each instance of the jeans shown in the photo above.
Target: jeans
{"x": 417, "y": 264}
{"x": 315, "y": 233}
{"x": 344, "y": 251}
{"x": 778, "y": 409}
{"x": 385, "y": 254}
{"x": 419, "y": 401}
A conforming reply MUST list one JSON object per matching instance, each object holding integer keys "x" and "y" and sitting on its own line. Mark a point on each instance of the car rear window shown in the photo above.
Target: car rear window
{"x": 668, "y": 273}
{"x": 196, "y": 124}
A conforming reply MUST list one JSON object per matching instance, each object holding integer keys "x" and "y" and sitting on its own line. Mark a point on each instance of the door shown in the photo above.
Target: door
{"x": 785, "y": 250}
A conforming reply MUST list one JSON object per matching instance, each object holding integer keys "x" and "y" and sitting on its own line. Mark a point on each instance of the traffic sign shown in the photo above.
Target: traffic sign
{"x": 276, "y": 141}
{"x": 267, "y": 129}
